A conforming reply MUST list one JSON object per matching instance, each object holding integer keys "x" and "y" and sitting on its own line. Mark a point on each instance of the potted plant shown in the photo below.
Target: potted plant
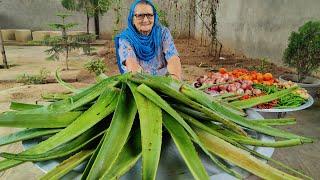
{"x": 303, "y": 54}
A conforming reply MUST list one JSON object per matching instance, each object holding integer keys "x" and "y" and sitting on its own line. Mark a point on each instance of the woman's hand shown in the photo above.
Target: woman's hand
{"x": 133, "y": 66}
{"x": 174, "y": 67}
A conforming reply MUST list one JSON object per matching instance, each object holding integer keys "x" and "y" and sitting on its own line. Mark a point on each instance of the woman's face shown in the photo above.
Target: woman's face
{"x": 143, "y": 18}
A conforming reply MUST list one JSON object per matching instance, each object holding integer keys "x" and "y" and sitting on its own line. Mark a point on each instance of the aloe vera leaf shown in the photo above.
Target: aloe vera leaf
{"x": 171, "y": 88}
{"x": 61, "y": 151}
{"x": 185, "y": 147}
{"x": 232, "y": 98}
{"x": 128, "y": 157}
{"x": 191, "y": 112}
{"x": 21, "y": 119}
{"x": 251, "y": 102}
{"x": 232, "y": 108}
{"x": 9, "y": 163}
{"x": 116, "y": 136}
{"x": 274, "y": 161}
{"x": 25, "y": 135}
{"x": 150, "y": 116}
{"x": 23, "y": 106}
{"x": 92, "y": 159}
{"x": 277, "y": 144}
{"x": 154, "y": 97}
{"x": 214, "y": 130}
{"x": 64, "y": 84}
{"x": 104, "y": 106}
{"x": 79, "y": 99}
{"x": 223, "y": 112}
{"x": 248, "y": 140}
{"x": 206, "y": 127}
{"x": 240, "y": 157}
{"x": 277, "y": 122}
{"x": 223, "y": 96}
{"x": 223, "y": 102}
{"x": 101, "y": 77}
{"x": 67, "y": 165}
{"x": 233, "y": 138}
{"x": 52, "y": 97}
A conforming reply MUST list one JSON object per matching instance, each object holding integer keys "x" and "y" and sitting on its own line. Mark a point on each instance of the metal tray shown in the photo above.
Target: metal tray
{"x": 171, "y": 164}
{"x": 279, "y": 113}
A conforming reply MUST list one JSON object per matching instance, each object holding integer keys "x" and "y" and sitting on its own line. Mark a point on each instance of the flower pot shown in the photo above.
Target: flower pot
{"x": 311, "y": 84}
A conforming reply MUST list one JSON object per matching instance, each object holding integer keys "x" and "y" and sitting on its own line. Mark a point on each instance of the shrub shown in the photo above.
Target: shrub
{"x": 303, "y": 51}
{"x": 96, "y": 66}
{"x": 34, "y": 79}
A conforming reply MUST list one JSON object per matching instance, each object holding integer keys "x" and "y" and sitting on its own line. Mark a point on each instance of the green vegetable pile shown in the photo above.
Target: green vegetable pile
{"x": 123, "y": 118}
{"x": 290, "y": 100}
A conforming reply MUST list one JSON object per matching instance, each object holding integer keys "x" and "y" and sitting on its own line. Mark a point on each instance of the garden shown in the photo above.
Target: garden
{"x": 67, "y": 113}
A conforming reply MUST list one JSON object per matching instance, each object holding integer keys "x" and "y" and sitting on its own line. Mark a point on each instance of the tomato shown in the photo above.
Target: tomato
{"x": 222, "y": 70}
{"x": 267, "y": 76}
{"x": 259, "y": 77}
{"x": 245, "y": 96}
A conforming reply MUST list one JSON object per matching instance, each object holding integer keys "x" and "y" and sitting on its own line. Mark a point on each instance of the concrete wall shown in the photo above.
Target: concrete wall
{"x": 260, "y": 28}
{"x": 37, "y": 14}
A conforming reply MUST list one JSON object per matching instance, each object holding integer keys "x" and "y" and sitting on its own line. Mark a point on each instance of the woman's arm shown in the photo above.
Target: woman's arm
{"x": 132, "y": 65}
{"x": 171, "y": 55}
{"x": 174, "y": 67}
{"x": 127, "y": 59}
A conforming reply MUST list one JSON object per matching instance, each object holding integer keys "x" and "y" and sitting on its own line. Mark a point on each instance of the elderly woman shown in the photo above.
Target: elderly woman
{"x": 145, "y": 45}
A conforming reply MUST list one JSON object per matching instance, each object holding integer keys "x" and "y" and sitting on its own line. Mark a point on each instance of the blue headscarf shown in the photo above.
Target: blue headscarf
{"x": 145, "y": 47}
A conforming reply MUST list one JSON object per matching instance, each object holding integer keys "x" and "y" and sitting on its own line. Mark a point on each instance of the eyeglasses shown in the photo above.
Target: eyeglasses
{"x": 141, "y": 16}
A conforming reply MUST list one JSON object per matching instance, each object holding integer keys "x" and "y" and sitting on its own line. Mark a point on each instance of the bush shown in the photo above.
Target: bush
{"x": 303, "y": 51}
{"x": 34, "y": 79}
{"x": 96, "y": 66}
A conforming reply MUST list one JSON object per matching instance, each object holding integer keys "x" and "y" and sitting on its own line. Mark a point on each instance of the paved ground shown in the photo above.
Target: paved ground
{"x": 307, "y": 157}
{"x": 30, "y": 60}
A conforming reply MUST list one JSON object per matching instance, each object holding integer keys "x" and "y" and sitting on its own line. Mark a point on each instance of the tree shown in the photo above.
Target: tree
{"x": 207, "y": 14}
{"x": 3, "y": 52}
{"x": 64, "y": 43}
{"x": 92, "y": 8}
{"x": 303, "y": 51}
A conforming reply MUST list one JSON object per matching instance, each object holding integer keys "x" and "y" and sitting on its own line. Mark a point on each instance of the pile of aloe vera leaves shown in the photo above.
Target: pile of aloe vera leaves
{"x": 120, "y": 119}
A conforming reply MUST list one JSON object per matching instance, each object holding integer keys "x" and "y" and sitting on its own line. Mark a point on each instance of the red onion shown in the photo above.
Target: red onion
{"x": 222, "y": 87}
{"x": 237, "y": 84}
{"x": 244, "y": 86}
